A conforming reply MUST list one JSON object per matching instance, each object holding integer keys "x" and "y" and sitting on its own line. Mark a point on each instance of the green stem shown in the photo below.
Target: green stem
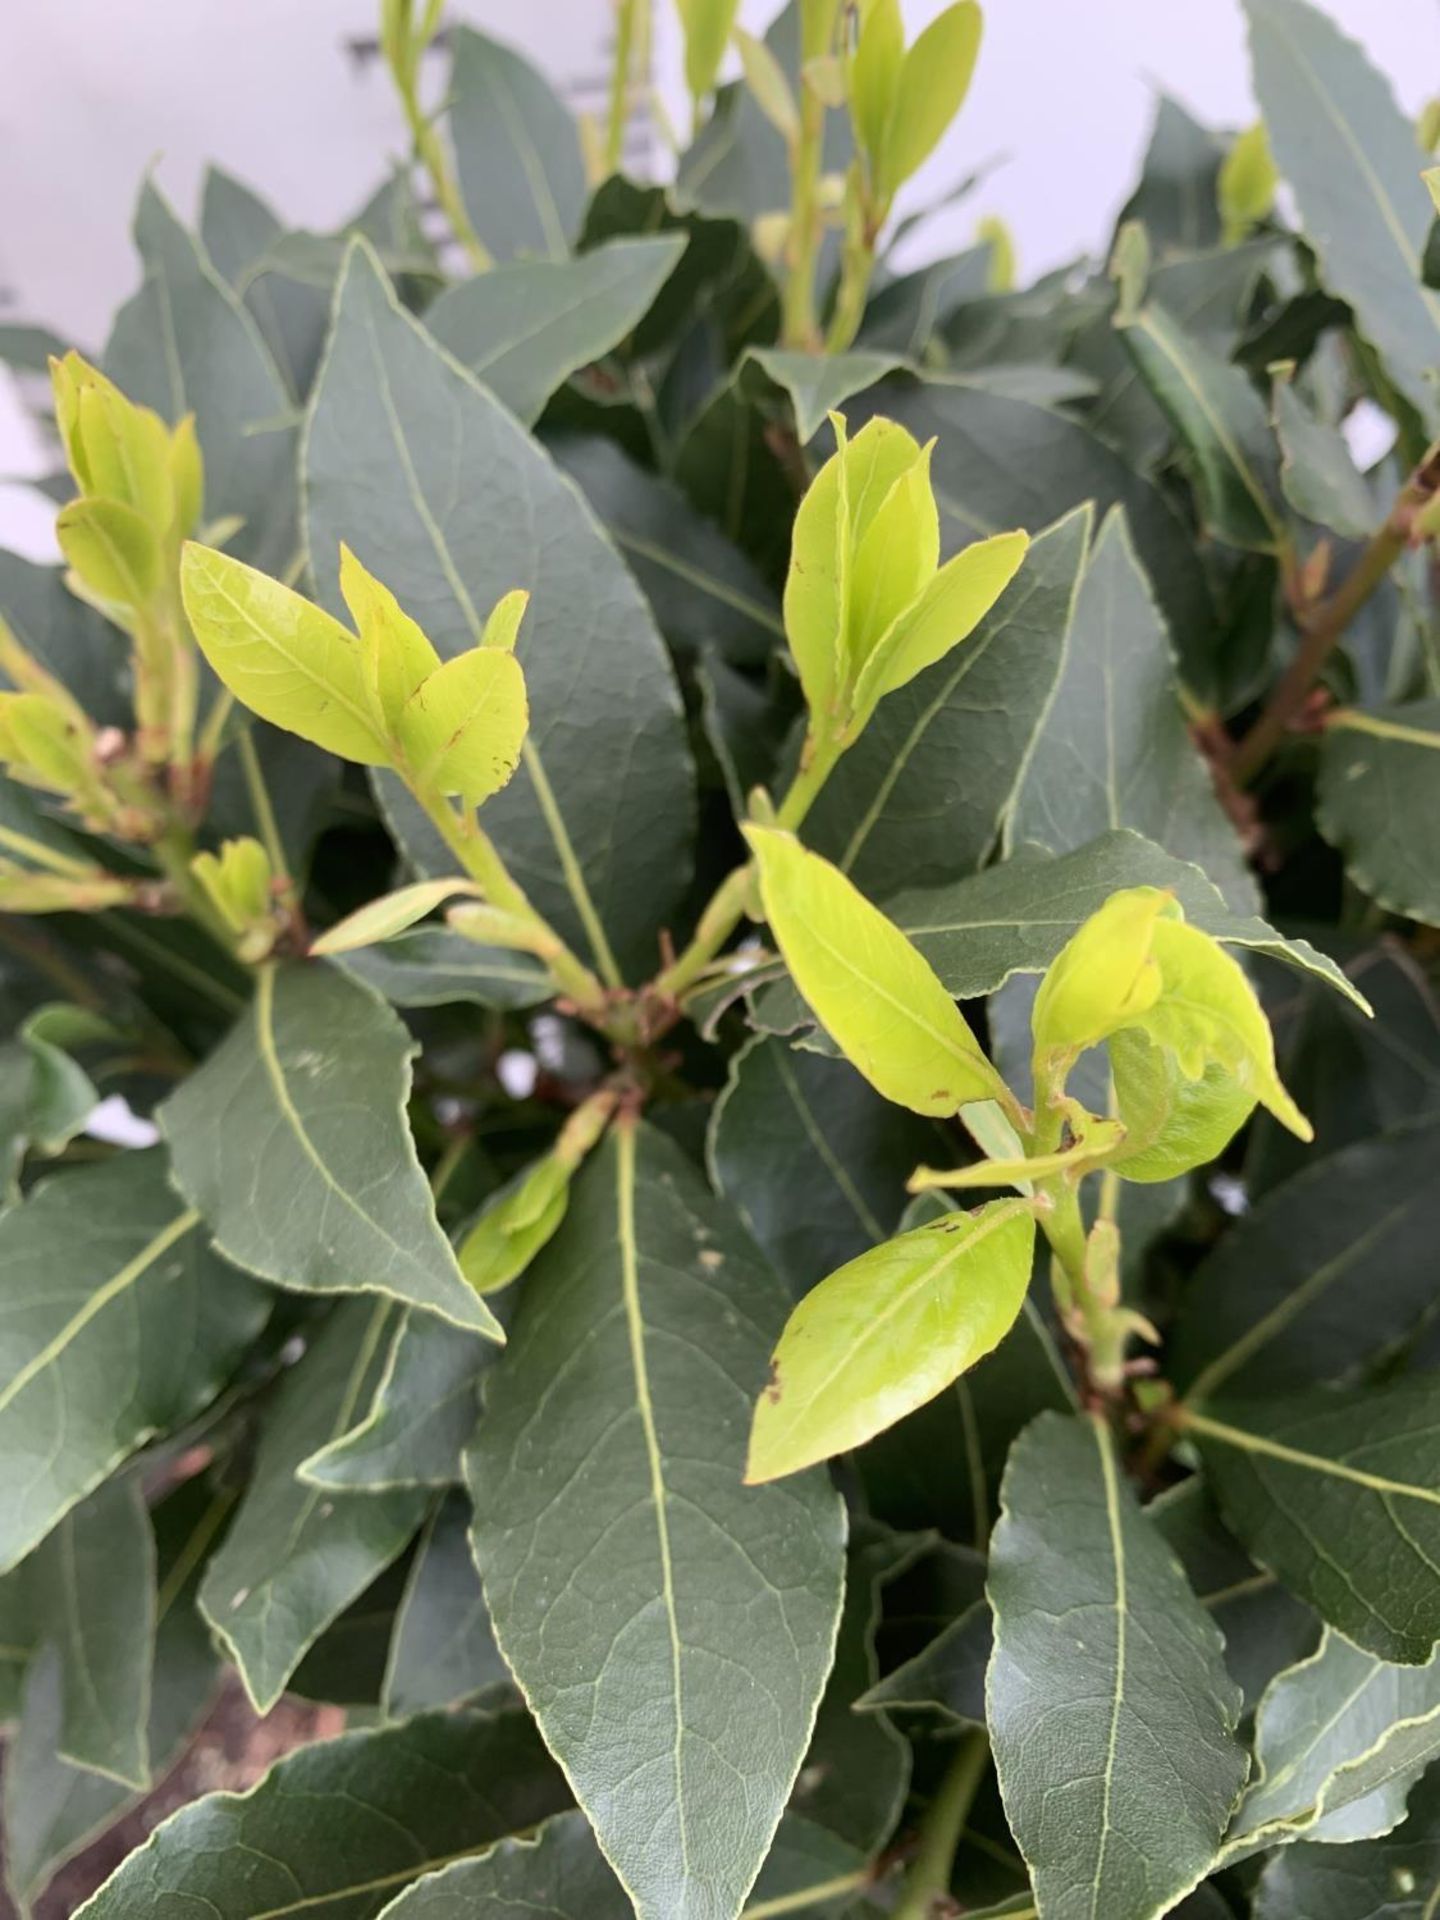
{"x": 727, "y": 904}
{"x": 403, "y": 54}
{"x": 808, "y": 1897}
{"x": 818, "y": 760}
{"x": 476, "y": 852}
{"x": 1323, "y": 627}
{"x": 863, "y": 221}
{"x": 803, "y": 246}
{"x": 627, "y": 32}
{"x": 261, "y": 805}
{"x": 927, "y": 1884}
{"x": 717, "y": 923}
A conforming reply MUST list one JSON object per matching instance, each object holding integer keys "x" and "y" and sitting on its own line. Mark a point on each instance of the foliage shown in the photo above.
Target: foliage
{"x": 775, "y": 920}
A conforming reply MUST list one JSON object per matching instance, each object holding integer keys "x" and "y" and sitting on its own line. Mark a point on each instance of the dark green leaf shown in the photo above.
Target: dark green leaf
{"x": 423, "y": 1412}
{"x": 336, "y": 1830}
{"x": 94, "y": 1600}
{"x": 119, "y": 1323}
{"x": 296, "y": 1555}
{"x": 747, "y": 722}
{"x": 517, "y": 151}
{"x": 1375, "y": 769}
{"x": 52, "y": 1810}
{"x": 346, "y": 1666}
{"x": 560, "y": 1875}
{"x": 1265, "y": 1627}
{"x": 946, "y": 1678}
{"x": 1113, "y": 750}
{"x": 851, "y": 1788}
{"x": 30, "y": 349}
{"x": 45, "y": 1100}
{"x": 1350, "y": 155}
{"x": 1352, "y": 1076}
{"x": 1331, "y": 1270}
{"x": 293, "y": 1144}
{"x": 1318, "y": 473}
{"x": 443, "y": 1649}
{"x": 434, "y": 967}
{"x": 726, "y": 464}
{"x": 1175, "y": 200}
{"x": 524, "y": 329}
{"x": 1101, "y": 1650}
{"x": 812, "y": 1158}
{"x": 702, "y": 590}
{"x": 719, "y": 280}
{"x": 1339, "y": 1741}
{"x": 444, "y": 497}
{"x": 634, "y": 1584}
{"x": 903, "y": 314}
{"x": 185, "y": 344}
{"x": 1393, "y": 1878}
{"x": 239, "y": 233}
{"x": 820, "y": 384}
{"x": 1340, "y": 1494}
{"x": 923, "y": 794}
{"x": 1206, "y": 294}
{"x": 1221, "y": 424}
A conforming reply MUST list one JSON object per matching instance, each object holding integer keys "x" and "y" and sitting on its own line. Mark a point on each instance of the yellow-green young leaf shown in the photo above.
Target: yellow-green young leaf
{"x": 934, "y": 81}
{"x": 815, "y": 585}
{"x": 127, "y": 453}
{"x": 502, "y": 629}
{"x": 515, "y": 1224}
{"x": 1103, "y": 977}
{"x": 947, "y": 612}
{"x": 187, "y": 478}
{"x": 895, "y": 561}
{"x": 115, "y": 553}
{"x": 280, "y": 655}
{"x": 237, "y": 880}
{"x": 462, "y": 730}
{"x": 818, "y": 20}
{"x": 382, "y": 919}
{"x": 874, "y": 994}
{"x": 707, "y": 25}
{"x": 1247, "y": 183}
{"x": 834, "y": 517}
{"x": 42, "y": 743}
{"x": 888, "y": 1332}
{"x": 1000, "y": 269}
{"x": 1206, "y": 1011}
{"x": 115, "y": 449}
{"x": 395, "y": 654}
{"x": 875, "y": 79}
{"x": 1172, "y": 1123}
{"x": 765, "y": 78}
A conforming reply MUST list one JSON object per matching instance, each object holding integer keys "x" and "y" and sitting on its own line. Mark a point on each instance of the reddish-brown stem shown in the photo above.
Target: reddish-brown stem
{"x": 1323, "y": 624}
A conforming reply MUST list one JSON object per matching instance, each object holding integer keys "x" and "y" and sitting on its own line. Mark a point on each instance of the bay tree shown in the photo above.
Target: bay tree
{"x": 773, "y": 921}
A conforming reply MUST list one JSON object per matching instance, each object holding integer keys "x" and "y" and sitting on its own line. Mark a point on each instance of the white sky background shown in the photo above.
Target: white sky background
{"x": 94, "y": 91}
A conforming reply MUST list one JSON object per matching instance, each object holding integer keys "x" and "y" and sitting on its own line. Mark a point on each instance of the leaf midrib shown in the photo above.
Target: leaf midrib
{"x": 635, "y": 1325}
{"x": 1248, "y": 1442}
